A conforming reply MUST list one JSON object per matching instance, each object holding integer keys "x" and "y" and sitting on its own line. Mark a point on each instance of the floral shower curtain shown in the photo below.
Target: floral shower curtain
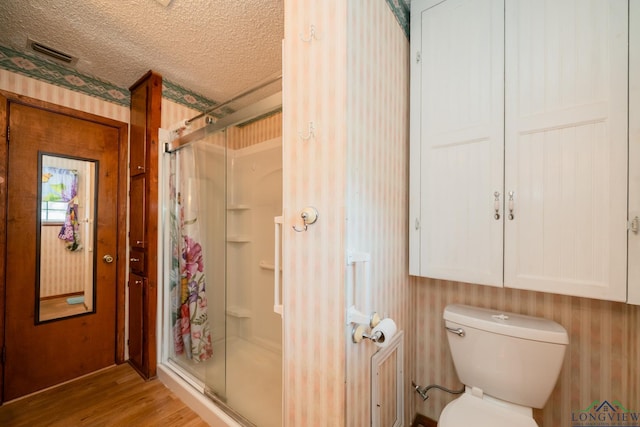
{"x": 191, "y": 333}
{"x": 61, "y": 185}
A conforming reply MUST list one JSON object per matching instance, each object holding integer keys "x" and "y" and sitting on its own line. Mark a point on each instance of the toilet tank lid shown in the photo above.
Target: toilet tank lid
{"x": 505, "y": 323}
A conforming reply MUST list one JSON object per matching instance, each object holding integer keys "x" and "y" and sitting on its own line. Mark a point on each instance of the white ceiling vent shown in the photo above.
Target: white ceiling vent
{"x": 51, "y": 52}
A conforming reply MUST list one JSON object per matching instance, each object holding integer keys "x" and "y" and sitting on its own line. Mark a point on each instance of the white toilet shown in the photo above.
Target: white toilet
{"x": 509, "y": 364}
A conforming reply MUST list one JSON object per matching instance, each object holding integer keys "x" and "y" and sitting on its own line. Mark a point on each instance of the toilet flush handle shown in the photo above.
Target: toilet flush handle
{"x": 458, "y": 331}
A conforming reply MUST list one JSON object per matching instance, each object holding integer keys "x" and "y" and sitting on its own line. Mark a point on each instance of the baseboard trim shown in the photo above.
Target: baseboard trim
{"x": 422, "y": 421}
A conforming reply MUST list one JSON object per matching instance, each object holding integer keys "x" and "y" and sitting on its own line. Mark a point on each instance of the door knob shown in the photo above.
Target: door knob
{"x": 108, "y": 259}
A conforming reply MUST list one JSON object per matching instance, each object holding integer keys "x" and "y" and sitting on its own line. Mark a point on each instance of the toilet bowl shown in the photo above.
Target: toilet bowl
{"x": 469, "y": 410}
{"x": 509, "y": 364}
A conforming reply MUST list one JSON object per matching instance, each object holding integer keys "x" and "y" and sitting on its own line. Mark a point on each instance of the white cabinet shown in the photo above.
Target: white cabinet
{"x": 457, "y": 139}
{"x": 519, "y": 140}
{"x": 566, "y": 75}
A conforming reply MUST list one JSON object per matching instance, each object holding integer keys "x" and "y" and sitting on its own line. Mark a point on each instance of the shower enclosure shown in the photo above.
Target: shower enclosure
{"x": 222, "y": 334}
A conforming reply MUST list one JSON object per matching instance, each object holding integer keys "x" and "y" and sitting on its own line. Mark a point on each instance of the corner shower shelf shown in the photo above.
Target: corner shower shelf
{"x": 238, "y": 207}
{"x": 236, "y": 311}
{"x": 266, "y": 266}
{"x": 238, "y": 239}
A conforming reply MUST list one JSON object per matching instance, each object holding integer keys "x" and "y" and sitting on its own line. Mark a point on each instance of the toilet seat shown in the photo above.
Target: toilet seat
{"x": 469, "y": 410}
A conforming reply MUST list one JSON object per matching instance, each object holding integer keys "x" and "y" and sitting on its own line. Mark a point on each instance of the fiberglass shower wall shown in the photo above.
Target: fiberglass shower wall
{"x": 254, "y": 198}
{"x": 254, "y": 331}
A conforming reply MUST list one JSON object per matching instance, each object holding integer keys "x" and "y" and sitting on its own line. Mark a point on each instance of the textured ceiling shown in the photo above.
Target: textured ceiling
{"x": 217, "y": 48}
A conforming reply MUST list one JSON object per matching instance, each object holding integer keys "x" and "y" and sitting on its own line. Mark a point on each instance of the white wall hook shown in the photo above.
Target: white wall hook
{"x": 312, "y": 35}
{"x": 310, "y": 133}
{"x": 353, "y": 257}
{"x": 309, "y": 216}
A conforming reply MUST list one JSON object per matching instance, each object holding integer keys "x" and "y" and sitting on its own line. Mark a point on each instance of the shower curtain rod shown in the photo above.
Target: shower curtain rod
{"x": 235, "y": 98}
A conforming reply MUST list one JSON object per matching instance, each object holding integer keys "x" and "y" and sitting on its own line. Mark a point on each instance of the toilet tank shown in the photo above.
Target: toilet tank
{"x": 508, "y": 356}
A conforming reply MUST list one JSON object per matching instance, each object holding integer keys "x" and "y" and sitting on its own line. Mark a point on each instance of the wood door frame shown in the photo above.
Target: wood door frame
{"x": 7, "y": 98}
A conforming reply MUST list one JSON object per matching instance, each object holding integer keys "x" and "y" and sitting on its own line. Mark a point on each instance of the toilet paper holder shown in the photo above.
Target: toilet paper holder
{"x": 362, "y": 322}
{"x": 380, "y": 335}
{"x": 359, "y": 333}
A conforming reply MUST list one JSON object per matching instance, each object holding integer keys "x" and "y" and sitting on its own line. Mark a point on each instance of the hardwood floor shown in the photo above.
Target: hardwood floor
{"x": 422, "y": 421}
{"x": 53, "y": 308}
{"x": 115, "y": 396}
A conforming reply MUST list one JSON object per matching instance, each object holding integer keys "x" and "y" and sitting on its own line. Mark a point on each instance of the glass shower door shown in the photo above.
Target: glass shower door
{"x": 226, "y": 190}
{"x": 253, "y": 331}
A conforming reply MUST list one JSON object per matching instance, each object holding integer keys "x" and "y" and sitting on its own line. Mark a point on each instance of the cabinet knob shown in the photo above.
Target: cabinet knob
{"x": 134, "y": 259}
{"x": 496, "y": 205}
{"x": 511, "y": 203}
{"x": 140, "y": 168}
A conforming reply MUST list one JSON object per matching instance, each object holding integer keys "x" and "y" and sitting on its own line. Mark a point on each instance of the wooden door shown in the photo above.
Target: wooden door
{"x": 42, "y": 354}
{"x": 566, "y": 147}
{"x": 457, "y": 140}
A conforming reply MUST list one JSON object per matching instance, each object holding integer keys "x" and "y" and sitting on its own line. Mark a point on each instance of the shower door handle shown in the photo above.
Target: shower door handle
{"x": 277, "y": 303}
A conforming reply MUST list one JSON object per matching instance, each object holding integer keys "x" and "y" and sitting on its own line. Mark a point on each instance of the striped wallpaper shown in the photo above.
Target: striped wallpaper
{"x": 256, "y": 132}
{"x": 27, "y": 86}
{"x": 314, "y": 174}
{"x": 61, "y": 272}
{"x": 376, "y": 182}
{"x": 349, "y": 84}
{"x": 173, "y": 113}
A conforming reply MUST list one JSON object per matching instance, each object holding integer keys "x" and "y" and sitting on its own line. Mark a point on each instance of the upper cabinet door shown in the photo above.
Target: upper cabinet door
{"x": 138, "y": 144}
{"x": 633, "y": 286}
{"x": 566, "y": 76}
{"x": 457, "y": 128}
